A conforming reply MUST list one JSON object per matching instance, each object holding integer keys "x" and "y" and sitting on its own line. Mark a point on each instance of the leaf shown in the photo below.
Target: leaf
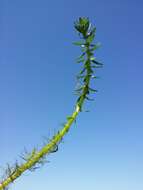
{"x": 90, "y": 99}
{"x": 83, "y": 49}
{"x": 84, "y": 22}
{"x": 90, "y": 70}
{"x": 83, "y": 70}
{"x": 79, "y": 89}
{"x": 92, "y": 90}
{"x": 90, "y": 38}
{"x": 82, "y": 25}
{"x": 69, "y": 117}
{"x": 95, "y": 66}
{"x": 81, "y": 58}
{"x": 80, "y": 76}
{"x": 86, "y": 78}
{"x": 79, "y": 43}
{"x": 91, "y": 35}
{"x": 97, "y": 63}
{"x": 54, "y": 149}
{"x": 95, "y": 46}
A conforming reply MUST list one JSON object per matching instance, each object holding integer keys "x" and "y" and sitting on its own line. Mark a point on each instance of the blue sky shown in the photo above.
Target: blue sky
{"x": 103, "y": 151}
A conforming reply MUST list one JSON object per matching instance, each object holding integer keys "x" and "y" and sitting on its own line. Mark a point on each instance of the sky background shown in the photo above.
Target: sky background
{"x": 104, "y": 150}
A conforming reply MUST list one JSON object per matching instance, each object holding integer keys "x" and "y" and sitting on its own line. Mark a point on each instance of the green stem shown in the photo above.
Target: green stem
{"x": 45, "y": 150}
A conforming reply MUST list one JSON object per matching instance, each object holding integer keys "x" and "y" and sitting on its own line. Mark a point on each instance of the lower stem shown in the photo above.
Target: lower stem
{"x": 44, "y": 151}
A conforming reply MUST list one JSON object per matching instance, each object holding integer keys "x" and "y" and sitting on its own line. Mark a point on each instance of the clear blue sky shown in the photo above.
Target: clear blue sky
{"x": 104, "y": 151}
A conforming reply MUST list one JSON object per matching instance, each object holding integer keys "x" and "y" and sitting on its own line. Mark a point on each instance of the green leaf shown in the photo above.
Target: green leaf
{"x": 82, "y": 25}
{"x": 79, "y": 60}
{"x": 81, "y": 56}
{"x": 54, "y": 149}
{"x": 79, "y": 43}
{"x": 90, "y": 70}
{"x": 90, "y": 99}
{"x": 83, "y": 49}
{"x": 83, "y": 70}
{"x": 97, "y": 63}
{"x": 69, "y": 117}
{"x": 90, "y": 38}
{"x": 95, "y": 66}
{"x": 79, "y": 89}
{"x": 94, "y": 47}
{"x": 84, "y": 21}
{"x": 92, "y": 90}
{"x": 80, "y": 76}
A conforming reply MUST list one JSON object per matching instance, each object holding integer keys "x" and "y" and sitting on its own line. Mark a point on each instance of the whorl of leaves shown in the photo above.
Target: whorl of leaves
{"x": 89, "y": 63}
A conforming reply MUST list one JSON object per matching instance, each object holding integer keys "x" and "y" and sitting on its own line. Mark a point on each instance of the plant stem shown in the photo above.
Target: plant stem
{"x": 82, "y": 27}
{"x": 44, "y": 151}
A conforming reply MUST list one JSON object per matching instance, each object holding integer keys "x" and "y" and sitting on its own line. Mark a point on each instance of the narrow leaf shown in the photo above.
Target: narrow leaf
{"x": 92, "y": 90}
{"x": 79, "y": 43}
{"x": 97, "y": 63}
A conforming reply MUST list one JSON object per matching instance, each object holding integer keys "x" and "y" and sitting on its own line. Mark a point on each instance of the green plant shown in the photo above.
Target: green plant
{"x": 37, "y": 157}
